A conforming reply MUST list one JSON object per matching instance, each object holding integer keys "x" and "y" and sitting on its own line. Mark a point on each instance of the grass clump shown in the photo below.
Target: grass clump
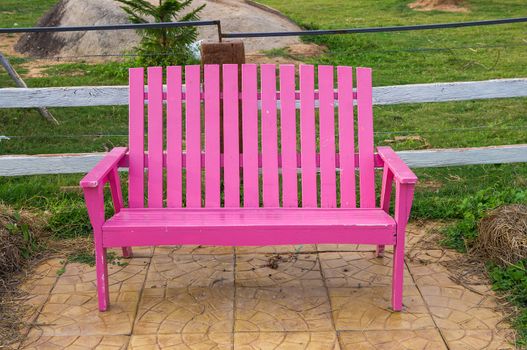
{"x": 512, "y": 281}
{"x": 87, "y": 257}
{"x": 69, "y": 218}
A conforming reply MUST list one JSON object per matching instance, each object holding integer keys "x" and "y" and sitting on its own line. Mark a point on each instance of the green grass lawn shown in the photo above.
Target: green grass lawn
{"x": 16, "y": 13}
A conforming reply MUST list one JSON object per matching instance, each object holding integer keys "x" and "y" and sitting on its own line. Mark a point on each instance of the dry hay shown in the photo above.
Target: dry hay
{"x": 438, "y": 5}
{"x": 15, "y": 228}
{"x": 20, "y": 231}
{"x": 502, "y": 236}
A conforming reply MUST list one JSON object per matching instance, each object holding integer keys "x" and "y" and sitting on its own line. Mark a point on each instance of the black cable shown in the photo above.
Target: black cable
{"x": 264, "y": 34}
{"x": 378, "y": 29}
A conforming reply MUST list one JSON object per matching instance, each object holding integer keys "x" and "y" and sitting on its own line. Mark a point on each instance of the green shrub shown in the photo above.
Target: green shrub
{"x": 164, "y": 46}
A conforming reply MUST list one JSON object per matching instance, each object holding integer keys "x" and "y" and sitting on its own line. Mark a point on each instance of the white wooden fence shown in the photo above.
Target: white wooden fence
{"x": 401, "y": 94}
{"x": 385, "y": 95}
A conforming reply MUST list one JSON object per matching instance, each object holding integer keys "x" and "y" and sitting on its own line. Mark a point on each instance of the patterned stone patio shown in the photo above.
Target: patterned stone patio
{"x": 302, "y": 297}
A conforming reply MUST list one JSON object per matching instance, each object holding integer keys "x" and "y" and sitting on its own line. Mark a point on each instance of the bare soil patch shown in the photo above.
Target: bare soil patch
{"x": 439, "y": 5}
{"x": 306, "y": 50}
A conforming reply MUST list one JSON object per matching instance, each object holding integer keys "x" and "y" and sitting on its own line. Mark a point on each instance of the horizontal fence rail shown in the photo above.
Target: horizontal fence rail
{"x": 18, "y": 165}
{"x": 84, "y": 96}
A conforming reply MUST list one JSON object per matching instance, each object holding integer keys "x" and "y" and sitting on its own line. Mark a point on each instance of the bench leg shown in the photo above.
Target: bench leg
{"x": 127, "y": 252}
{"x": 397, "y": 277}
{"x": 102, "y": 276}
{"x": 379, "y": 252}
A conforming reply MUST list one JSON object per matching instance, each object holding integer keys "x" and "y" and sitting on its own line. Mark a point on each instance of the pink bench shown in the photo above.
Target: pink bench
{"x": 213, "y": 197}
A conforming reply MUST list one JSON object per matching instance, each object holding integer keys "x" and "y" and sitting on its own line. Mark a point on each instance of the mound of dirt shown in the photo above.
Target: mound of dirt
{"x": 79, "y": 13}
{"x": 235, "y": 16}
{"x": 439, "y": 5}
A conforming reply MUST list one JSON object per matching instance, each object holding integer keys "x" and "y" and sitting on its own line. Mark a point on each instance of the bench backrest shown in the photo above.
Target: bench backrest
{"x": 274, "y": 150}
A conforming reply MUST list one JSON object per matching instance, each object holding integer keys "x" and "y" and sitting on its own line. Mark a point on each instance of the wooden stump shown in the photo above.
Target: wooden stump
{"x": 223, "y": 53}
{"x": 227, "y": 52}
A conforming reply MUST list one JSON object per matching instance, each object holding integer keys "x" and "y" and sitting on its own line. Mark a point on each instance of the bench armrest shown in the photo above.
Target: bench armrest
{"x": 93, "y": 186}
{"x": 400, "y": 170}
{"x": 405, "y": 180}
{"x": 99, "y": 174}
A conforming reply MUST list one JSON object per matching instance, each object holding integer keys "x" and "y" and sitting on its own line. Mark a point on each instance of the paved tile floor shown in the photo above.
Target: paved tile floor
{"x": 322, "y": 297}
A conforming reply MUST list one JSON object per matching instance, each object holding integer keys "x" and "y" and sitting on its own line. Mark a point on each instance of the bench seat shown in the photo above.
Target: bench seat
{"x": 248, "y": 226}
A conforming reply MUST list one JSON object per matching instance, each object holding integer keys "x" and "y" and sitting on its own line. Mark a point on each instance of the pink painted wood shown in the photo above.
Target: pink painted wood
{"x": 174, "y": 158}
{"x": 387, "y": 183}
{"x": 269, "y": 137}
{"x": 288, "y": 136}
{"x": 95, "y": 204}
{"x": 231, "y": 156}
{"x": 365, "y": 133}
{"x": 136, "y": 139}
{"x": 328, "y": 189}
{"x": 251, "y": 196}
{"x": 250, "y": 225}
{"x": 117, "y": 200}
{"x": 193, "y": 135}
{"x": 346, "y": 137}
{"x": 155, "y": 137}
{"x": 403, "y": 201}
{"x": 307, "y": 137}
{"x": 212, "y": 136}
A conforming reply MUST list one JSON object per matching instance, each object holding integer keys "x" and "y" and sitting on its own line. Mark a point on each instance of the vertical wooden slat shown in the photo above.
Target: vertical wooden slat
{"x": 250, "y": 135}
{"x": 136, "y": 183}
{"x": 193, "y": 136}
{"x": 307, "y": 136}
{"x": 346, "y": 137}
{"x": 365, "y": 134}
{"x": 288, "y": 136}
{"x": 155, "y": 137}
{"x": 328, "y": 176}
{"x": 231, "y": 156}
{"x": 269, "y": 136}
{"x": 174, "y": 138}
{"x": 212, "y": 136}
